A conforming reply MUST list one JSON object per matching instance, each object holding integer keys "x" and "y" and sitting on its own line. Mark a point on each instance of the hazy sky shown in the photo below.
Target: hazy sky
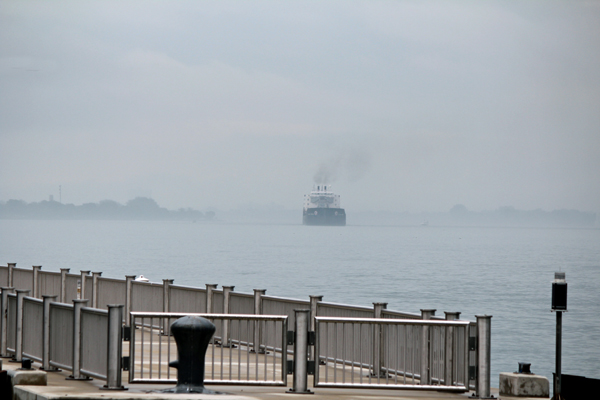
{"x": 405, "y": 105}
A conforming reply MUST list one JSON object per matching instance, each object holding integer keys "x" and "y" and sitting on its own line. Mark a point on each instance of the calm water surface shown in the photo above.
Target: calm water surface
{"x": 503, "y": 272}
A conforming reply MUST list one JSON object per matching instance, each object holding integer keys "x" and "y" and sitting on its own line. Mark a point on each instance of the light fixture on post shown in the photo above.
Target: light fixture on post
{"x": 559, "y": 304}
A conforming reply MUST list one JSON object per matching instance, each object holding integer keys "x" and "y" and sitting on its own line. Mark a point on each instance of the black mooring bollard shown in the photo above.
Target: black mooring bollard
{"x": 192, "y": 335}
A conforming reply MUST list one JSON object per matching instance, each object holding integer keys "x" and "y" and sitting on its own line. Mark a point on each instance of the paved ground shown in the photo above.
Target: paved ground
{"x": 152, "y": 360}
{"x": 58, "y": 388}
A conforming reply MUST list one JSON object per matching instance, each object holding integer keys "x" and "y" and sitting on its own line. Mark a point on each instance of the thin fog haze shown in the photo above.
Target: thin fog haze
{"x": 401, "y": 105}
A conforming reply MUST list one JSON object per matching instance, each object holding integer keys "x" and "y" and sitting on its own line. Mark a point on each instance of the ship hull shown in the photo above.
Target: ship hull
{"x": 324, "y": 216}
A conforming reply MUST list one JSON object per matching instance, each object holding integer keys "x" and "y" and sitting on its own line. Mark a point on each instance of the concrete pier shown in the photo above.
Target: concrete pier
{"x": 58, "y": 388}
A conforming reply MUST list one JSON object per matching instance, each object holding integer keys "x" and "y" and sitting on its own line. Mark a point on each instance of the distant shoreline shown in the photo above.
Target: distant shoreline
{"x": 140, "y": 208}
{"x": 146, "y": 209}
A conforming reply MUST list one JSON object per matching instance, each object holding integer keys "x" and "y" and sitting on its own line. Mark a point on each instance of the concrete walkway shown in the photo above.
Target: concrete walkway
{"x": 58, "y": 388}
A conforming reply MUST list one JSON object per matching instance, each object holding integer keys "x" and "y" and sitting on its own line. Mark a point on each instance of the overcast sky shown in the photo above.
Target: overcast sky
{"x": 401, "y": 105}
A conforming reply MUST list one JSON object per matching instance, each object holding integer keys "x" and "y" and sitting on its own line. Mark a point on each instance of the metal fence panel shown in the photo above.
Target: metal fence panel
{"x": 71, "y": 283}
{"x": 110, "y": 291}
{"x": 23, "y": 279}
{"x": 61, "y": 336}
{"x": 49, "y": 283}
{"x": 218, "y": 302}
{"x": 151, "y": 351}
{"x": 403, "y": 352}
{"x": 343, "y": 310}
{"x": 4, "y": 276}
{"x": 11, "y": 340}
{"x": 370, "y": 353}
{"x": 86, "y": 285}
{"x": 280, "y": 306}
{"x": 283, "y": 306}
{"x": 33, "y": 317}
{"x": 241, "y": 303}
{"x": 146, "y": 297}
{"x": 94, "y": 342}
{"x": 186, "y": 299}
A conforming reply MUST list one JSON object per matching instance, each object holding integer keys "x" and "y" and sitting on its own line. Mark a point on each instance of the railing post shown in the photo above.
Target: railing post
{"x": 115, "y": 349}
{"x": 209, "y": 297}
{"x": 83, "y": 278}
{"x": 449, "y": 351}
{"x": 77, "y": 305}
{"x": 471, "y": 348}
{"x": 166, "y": 305}
{"x": 95, "y": 276}
{"x": 484, "y": 332}
{"x": 128, "y": 291}
{"x": 226, "y": 340}
{"x": 258, "y": 310}
{"x": 378, "y": 341}
{"x": 4, "y": 321}
{"x": 11, "y": 266}
{"x": 63, "y": 284}
{"x": 426, "y": 348}
{"x": 19, "y": 328}
{"x": 300, "y": 382}
{"x": 314, "y": 306}
{"x": 46, "y": 334}
{"x": 36, "y": 284}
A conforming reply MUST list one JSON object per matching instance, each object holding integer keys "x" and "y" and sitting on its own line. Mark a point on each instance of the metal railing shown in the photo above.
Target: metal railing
{"x": 374, "y": 352}
{"x": 33, "y": 316}
{"x": 83, "y": 340}
{"x": 167, "y": 297}
{"x": 11, "y": 319}
{"x": 230, "y": 361}
{"x": 94, "y": 325}
{"x": 61, "y": 336}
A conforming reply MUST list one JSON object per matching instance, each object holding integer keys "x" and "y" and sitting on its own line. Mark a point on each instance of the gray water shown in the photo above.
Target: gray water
{"x": 503, "y": 272}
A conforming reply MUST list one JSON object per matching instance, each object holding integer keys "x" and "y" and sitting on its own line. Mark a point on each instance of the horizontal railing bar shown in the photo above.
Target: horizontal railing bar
{"x": 346, "y": 362}
{"x": 33, "y": 300}
{"x": 97, "y": 311}
{"x": 400, "y": 314}
{"x": 212, "y": 382}
{"x": 369, "y": 366}
{"x": 155, "y": 284}
{"x": 42, "y": 272}
{"x": 389, "y": 321}
{"x": 92, "y": 374}
{"x": 32, "y": 357}
{"x": 191, "y": 288}
{"x": 64, "y": 306}
{"x": 285, "y": 299}
{"x": 249, "y": 383}
{"x": 63, "y": 366}
{"x": 345, "y": 306}
{"x": 250, "y": 344}
{"x": 240, "y": 294}
{"x": 210, "y": 316}
{"x": 393, "y": 386}
{"x": 105, "y": 279}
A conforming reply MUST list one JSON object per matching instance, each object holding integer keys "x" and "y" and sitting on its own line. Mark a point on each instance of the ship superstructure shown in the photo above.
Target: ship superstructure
{"x": 323, "y": 207}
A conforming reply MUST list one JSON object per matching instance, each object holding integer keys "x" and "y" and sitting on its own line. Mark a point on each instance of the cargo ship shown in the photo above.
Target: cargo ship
{"x": 322, "y": 207}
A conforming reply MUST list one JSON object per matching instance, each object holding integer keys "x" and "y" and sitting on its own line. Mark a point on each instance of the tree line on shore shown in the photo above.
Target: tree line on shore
{"x": 140, "y": 208}
{"x": 143, "y": 208}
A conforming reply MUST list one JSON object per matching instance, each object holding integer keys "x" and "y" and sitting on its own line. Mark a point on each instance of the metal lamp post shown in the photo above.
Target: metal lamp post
{"x": 559, "y": 304}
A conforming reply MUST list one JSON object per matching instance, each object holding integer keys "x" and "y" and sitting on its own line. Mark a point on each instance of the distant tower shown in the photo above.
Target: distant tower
{"x": 51, "y": 198}
{"x": 59, "y": 193}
